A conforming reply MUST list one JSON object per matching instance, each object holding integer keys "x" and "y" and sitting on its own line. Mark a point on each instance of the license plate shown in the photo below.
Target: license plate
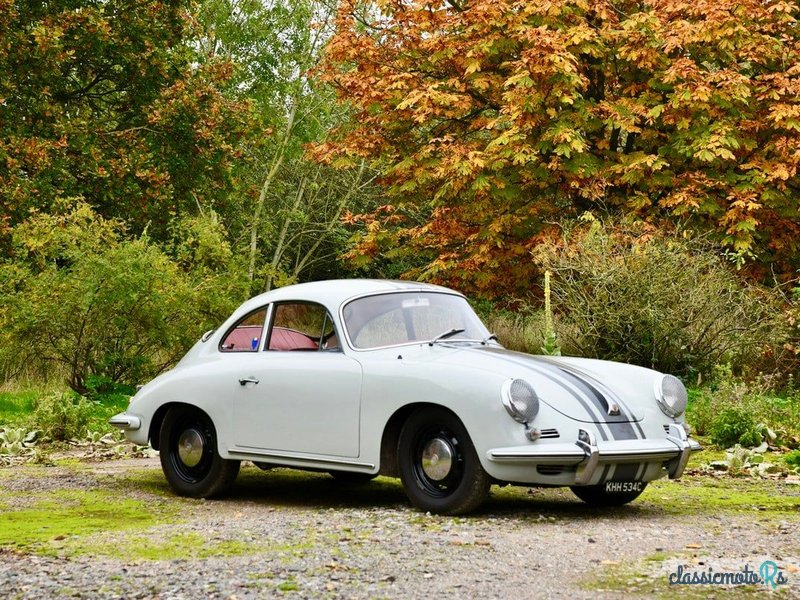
{"x": 622, "y": 487}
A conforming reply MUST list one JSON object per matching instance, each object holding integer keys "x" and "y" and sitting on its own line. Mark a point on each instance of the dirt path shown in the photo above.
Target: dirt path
{"x": 307, "y": 536}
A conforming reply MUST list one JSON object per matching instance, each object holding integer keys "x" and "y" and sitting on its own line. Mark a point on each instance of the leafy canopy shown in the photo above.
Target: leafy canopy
{"x": 492, "y": 119}
{"x": 105, "y": 100}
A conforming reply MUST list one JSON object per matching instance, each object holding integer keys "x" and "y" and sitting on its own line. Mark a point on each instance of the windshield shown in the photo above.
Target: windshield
{"x": 408, "y": 317}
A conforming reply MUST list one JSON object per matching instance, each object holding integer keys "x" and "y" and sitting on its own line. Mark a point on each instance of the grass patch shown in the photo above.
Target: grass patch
{"x": 70, "y": 514}
{"x": 288, "y": 586}
{"x": 693, "y": 495}
{"x": 710, "y": 495}
{"x": 16, "y": 406}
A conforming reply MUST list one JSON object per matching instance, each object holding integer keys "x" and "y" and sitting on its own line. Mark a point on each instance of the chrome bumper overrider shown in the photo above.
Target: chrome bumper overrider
{"x": 587, "y": 453}
{"x": 125, "y": 422}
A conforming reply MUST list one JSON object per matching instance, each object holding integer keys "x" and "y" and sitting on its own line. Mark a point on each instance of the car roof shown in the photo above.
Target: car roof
{"x": 334, "y": 292}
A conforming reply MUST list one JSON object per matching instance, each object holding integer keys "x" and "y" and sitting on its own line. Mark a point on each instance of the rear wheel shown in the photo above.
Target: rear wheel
{"x": 596, "y": 495}
{"x": 189, "y": 458}
{"x": 439, "y": 468}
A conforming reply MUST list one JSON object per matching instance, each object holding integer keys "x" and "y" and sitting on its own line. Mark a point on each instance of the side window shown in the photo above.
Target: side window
{"x": 302, "y": 326}
{"x": 245, "y": 336}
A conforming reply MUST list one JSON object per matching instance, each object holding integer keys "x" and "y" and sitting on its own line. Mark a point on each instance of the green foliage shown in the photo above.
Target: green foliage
{"x": 766, "y": 414}
{"x": 734, "y": 425}
{"x": 17, "y": 441}
{"x": 630, "y": 294}
{"x": 792, "y": 459}
{"x": 81, "y": 295}
{"x": 15, "y": 406}
{"x": 521, "y": 330}
{"x": 106, "y": 101}
{"x": 101, "y": 386}
{"x": 551, "y": 346}
{"x": 61, "y": 416}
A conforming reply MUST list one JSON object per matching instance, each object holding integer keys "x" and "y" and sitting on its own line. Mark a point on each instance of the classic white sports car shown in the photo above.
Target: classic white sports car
{"x": 363, "y": 377}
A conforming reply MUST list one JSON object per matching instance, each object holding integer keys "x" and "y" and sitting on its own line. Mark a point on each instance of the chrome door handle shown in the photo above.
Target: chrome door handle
{"x": 246, "y": 380}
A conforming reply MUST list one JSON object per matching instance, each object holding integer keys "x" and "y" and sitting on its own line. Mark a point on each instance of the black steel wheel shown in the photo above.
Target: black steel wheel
{"x": 596, "y": 495}
{"x": 439, "y": 468}
{"x": 189, "y": 458}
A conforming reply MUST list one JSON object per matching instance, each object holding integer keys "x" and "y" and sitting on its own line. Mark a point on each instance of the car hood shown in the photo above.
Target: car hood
{"x": 583, "y": 389}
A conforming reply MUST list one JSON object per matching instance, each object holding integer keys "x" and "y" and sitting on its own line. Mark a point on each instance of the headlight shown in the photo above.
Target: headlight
{"x": 520, "y": 400}
{"x": 671, "y": 396}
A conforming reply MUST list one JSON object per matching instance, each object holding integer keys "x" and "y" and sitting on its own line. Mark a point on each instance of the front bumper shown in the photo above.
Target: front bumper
{"x": 587, "y": 454}
{"x": 125, "y": 422}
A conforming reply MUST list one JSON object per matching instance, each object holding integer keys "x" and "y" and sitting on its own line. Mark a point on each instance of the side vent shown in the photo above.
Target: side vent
{"x": 549, "y": 433}
{"x": 666, "y": 429}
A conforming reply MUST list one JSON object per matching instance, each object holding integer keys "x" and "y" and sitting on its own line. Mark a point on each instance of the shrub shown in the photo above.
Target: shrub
{"x": 792, "y": 459}
{"x": 774, "y": 416}
{"x": 61, "y": 416}
{"x": 523, "y": 331}
{"x": 80, "y": 294}
{"x": 630, "y": 294}
{"x": 735, "y": 425}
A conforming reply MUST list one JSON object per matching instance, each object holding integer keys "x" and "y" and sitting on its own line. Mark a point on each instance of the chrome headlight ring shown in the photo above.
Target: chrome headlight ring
{"x": 520, "y": 400}
{"x": 671, "y": 395}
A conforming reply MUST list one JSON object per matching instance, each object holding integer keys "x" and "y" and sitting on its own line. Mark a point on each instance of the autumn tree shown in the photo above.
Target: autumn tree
{"x": 493, "y": 119}
{"x": 107, "y": 101}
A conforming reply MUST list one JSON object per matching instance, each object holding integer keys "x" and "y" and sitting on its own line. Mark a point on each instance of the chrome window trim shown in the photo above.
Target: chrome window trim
{"x": 273, "y": 307}
{"x": 268, "y": 309}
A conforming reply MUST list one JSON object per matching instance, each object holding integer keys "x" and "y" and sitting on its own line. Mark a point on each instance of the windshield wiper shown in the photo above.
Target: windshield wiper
{"x": 445, "y": 335}
{"x": 488, "y": 338}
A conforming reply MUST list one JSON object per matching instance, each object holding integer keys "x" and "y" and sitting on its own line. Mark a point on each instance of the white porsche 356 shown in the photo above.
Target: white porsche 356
{"x": 364, "y": 377}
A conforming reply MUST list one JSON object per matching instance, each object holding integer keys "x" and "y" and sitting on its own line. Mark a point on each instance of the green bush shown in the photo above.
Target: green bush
{"x": 735, "y": 425}
{"x": 80, "y": 294}
{"x": 62, "y": 416}
{"x": 630, "y": 294}
{"x": 792, "y": 459}
{"x": 769, "y": 410}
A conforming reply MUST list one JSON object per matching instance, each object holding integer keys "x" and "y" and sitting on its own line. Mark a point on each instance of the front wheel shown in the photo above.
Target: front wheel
{"x": 189, "y": 458}
{"x": 439, "y": 468}
{"x": 596, "y": 495}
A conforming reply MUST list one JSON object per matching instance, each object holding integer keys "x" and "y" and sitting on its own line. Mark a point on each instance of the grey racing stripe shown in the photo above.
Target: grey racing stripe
{"x": 602, "y": 426}
{"x": 625, "y": 415}
{"x": 622, "y": 431}
{"x": 604, "y": 475}
{"x": 626, "y": 471}
{"x": 619, "y": 423}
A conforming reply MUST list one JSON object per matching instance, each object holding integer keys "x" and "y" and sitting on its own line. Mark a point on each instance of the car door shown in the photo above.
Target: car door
{"x": 299, "y": 393}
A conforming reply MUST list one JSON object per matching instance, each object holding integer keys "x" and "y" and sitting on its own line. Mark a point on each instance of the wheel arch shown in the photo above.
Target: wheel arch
{"x": 158, "y": 419}
{"x": 391, "y": 434}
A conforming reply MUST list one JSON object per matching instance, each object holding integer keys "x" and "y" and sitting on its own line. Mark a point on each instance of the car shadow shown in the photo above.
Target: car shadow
{"x": 281, "y": 487}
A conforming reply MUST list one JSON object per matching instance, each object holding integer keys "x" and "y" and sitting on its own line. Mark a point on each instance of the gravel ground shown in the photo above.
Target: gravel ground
{"x": 311, "y": 537}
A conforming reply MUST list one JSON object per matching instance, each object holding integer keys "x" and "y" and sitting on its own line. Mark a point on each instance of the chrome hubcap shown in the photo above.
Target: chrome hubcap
{"x": 190, "y": 447}
{"x": 437, "y": 459}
